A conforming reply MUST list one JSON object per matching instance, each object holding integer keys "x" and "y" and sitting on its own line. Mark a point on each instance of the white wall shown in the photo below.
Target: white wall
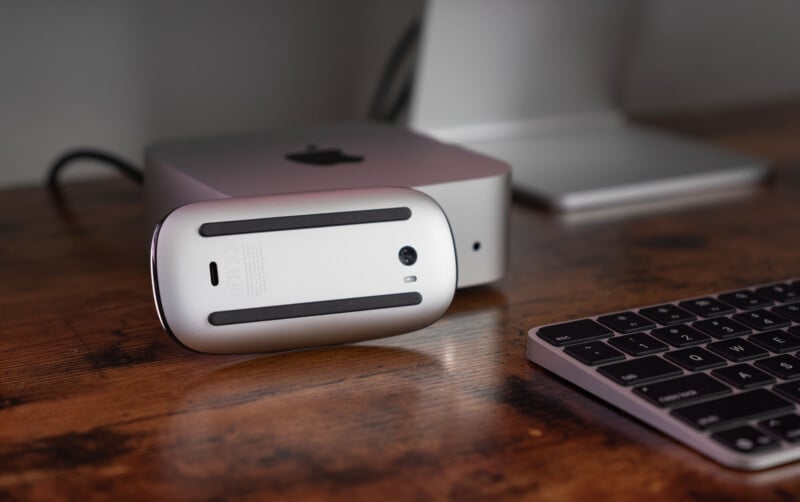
{"x": 714, "y": 52}
{"x": 119, "y": 74}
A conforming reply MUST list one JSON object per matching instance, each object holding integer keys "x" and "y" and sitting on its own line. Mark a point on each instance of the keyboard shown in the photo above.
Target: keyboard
{"x": 719, "y": 373}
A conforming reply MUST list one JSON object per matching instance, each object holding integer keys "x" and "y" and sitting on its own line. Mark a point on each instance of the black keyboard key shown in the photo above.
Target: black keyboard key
{"x": 707, "y": 307}
{"x": 680, "y": 336}
{"x": 594, "y": 353}
{"x": 640, "y": 371}
{"x": 722, "y": 327}
{"x": 667, "y": 314}
{"x": 571, "y": 332}
{"x": 638, "y": 344}
{"x": 761, "y": 320}
{"x": 786, "y": 427}
{"x": 682, "y": 390}
{"x": 733, "y": 410}
{"x": 789, "y": 389}
{"x": 695, "y": 359}
{"x": 786, "y": 367}
{"x": 737, "y": 350}
{"x": 743, "y": 376}
{"x": 745, "y": 300}
{"x": 746, "y": 439}
{"x": 783, "y": 293}
{"x": 791, "y": 311}
{"x": 776, "y": 341}
{"x": 626, "y": 322}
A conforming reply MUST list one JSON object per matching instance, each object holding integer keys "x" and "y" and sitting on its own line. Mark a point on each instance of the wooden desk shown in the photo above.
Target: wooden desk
{"x": 95, "y": 400}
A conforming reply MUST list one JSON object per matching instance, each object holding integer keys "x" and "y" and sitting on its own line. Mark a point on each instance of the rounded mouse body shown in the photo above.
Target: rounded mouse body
{"x": 280, "y": 272}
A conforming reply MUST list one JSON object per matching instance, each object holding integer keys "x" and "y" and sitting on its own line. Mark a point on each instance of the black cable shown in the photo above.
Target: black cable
{"x": 401, "y": 50}
{"x": 400, "y": 101}
{"x": 399, "y": 53}
{"x": 65, "y": 159}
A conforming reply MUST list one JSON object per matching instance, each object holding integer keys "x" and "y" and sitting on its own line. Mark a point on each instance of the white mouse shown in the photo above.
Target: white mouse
{"x": 281, "y": 272}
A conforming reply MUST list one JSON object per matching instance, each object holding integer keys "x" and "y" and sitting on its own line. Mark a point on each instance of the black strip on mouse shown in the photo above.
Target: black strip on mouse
{"x": 301, "y": 221}
{"x": 310, "y": 309}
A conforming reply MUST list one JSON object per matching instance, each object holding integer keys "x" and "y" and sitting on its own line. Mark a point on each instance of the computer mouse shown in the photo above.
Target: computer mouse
{"x": 282, "y": 272}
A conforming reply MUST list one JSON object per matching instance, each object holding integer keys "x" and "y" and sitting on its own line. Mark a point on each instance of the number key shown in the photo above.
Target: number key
{"x": 791, "y": 311}
{"x": 626, "y": 322}
{"x": 761, "y": 320}
{"x": 707, "y": 307}
{"x": 745, "y": 300}
{"x": 722, "y": 327}
{"x": 784, "y": 293}
{"x": 667, "y": 314}
{"x": 680, "y": 336}
{"x": 638, "y": 344}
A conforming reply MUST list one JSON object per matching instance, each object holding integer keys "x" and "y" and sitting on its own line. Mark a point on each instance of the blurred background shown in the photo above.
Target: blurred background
{"x": 119, "y": 74}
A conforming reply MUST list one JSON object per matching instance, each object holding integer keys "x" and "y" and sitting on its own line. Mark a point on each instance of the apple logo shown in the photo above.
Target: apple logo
{"x": 323, "y": 156}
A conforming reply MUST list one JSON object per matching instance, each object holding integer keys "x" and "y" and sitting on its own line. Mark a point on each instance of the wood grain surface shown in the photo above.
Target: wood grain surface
{"x": 97, "y": 402}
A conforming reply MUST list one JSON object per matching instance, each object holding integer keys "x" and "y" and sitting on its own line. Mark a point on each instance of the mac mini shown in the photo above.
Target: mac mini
{"x": 472, "y": 189}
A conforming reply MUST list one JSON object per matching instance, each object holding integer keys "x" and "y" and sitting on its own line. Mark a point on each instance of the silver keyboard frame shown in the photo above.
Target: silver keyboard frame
{"x": 554, "y": 359}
